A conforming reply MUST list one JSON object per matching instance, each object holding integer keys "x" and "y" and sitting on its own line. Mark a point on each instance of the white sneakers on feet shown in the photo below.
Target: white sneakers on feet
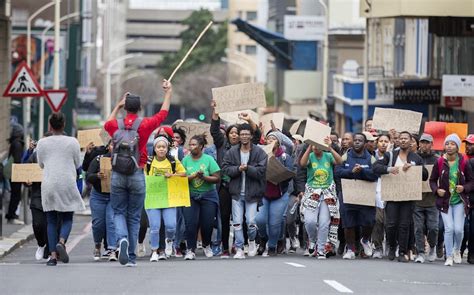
{"x": 449, "y": 261}
{"x": 154, "y": 257}
{"x": 190, "y": 255}
{"x": 141, "y": 250}
{"x": 169, "y": 247}
{"x": 457, "y": 257}
{"x": 240, "y": 254}
{"x": 162, "y": 256}
{"x": 39, "y": 252}
{"x": 252, "y": 249}
{"x": 377, "y": 254}
{"x": 420, "y": 258}
{"x": 367, "y": 248}
{"x": 208, "y": 251}
{"x": 432, "y": 254}
{"x": 349, "y": 255}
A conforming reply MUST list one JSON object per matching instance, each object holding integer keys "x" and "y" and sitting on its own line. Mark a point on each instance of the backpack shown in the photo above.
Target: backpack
{"x": 126, "y": 154}
{"x": 462, "y": 164}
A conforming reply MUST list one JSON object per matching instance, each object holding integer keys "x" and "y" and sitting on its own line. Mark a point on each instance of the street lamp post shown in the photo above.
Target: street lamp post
{"x": 108, "y": 102}
{"x": 325, "y": 58}
{"x": 43, "y": 36}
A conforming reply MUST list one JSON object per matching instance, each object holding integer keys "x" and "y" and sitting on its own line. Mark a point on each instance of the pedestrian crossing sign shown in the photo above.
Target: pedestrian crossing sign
{"x": 55, "y": 99}
{"x": 23, "y": 83}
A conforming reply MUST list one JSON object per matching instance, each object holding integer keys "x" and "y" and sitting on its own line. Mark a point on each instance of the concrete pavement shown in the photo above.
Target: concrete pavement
{"x": 285, "y": 274}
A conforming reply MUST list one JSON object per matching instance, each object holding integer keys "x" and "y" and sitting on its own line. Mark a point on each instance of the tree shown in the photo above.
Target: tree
{"x": 209, "y": 50}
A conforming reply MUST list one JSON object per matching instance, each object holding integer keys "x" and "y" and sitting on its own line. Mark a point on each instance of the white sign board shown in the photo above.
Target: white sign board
{"x": 315, "y": 133}
{"x": 400, "y": 120}
{"x": 305, "y": 28}
{"x": 87, "y": 93}
{"x": 458, "y": 85}
{"x": 239, "y": 97}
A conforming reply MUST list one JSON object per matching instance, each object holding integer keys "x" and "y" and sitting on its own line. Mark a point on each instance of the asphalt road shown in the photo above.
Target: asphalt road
{"x": 20, "y": 273}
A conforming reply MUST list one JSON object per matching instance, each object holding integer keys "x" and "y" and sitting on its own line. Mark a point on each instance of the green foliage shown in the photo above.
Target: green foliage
{"x": 209, "y": 50}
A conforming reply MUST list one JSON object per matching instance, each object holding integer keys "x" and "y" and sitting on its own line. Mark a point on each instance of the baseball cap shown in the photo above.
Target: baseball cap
{"x": 469, "y": 139}
{"x": 426, "y": 137}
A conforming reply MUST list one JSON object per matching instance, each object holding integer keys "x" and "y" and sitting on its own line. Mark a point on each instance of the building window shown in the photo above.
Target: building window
{"x": 251, "y": 49}
{"x": 239, "y": 48}
{"x": 251, "y": 15}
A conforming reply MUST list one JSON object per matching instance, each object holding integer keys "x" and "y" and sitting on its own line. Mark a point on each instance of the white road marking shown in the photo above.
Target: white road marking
{"x": 338, "y": 286}
{"x": 295, "y": 264}
{"x": 85, "y": 232}
{"x": 417, "y": 282}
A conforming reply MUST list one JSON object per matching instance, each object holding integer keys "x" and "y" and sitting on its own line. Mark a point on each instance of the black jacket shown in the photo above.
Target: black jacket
{"x": 35, "y": 193}
{"x": 91, "y": 175}
{"x": 428, "y": 199}
{"x": 255, "y": 181}
{"x": 88, "y": 157}
{"x": 381, "y": 166}
{"x": 300, "y": 179}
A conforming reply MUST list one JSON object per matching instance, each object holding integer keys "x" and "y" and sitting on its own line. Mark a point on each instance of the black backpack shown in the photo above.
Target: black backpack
{"x": 126, "y": 154}
{"x": 170, "y": 158}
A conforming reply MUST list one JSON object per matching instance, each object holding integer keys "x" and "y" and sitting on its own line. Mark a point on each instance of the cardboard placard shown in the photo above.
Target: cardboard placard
{"x": 91, "y": 135}
{"x": 461, "y": 130}
{"x": 315, "y": 133}
{"x": 192, "y": 129}
{"x": 438, "y": 131}
{"x": 399, "y": 120}
{"x": 404, "y": 186}
{"x": 295, "y": 126}
{"x": 277, "y": 118}
{"x": 268, "y": 149}
{"x": 276, "y": 172}
{"x": 239, "y": 97}
{"x": 106, "y": 168}
{"x": 359, "y": 192}
{"x": 27, "y": 173}
{"x": 233, "y": 117}
{"x": 426, "y": 184}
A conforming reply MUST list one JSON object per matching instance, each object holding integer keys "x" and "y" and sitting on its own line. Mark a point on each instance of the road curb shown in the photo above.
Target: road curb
{"x": 15, "y": 240}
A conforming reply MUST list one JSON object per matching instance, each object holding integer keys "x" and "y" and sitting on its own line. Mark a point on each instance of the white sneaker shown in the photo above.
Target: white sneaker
{"x": 208, "y": 251}
{"x": 162, "y": 256}
{"x": 240, "y": 254}
{"x": 420, "y": 258}
{"x": 246, "y": 249}
{"x": 154, "y": 257}
{"x": 141, "y": 250}
{"x": 457, "y": 257}
{"x": 312, "y": 249}
{"x": 190, "y": 255}
{"x": 432, "y": 255}
{"x": 169, "y": 247}
{"x": 306, "y": 252}
{"x": 252, "y": 249}
{"x": 265, "y": 253}
{"x": 199, "y": 245}
{"x": 367, "y": 248}
{"x": 377, "y": 254}
{"x": 40, "y": 252}
{"x": 449, "y": 261}
{"x": 349, "y": 255}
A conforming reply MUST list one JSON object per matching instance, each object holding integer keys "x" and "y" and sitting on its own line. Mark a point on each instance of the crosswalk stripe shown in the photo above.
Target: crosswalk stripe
{"x": 295, "y": 264}
{"x": 338, "y": 286}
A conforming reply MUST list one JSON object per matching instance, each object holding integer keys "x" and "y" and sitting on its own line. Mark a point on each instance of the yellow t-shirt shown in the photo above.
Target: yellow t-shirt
{"x": 162, "y": 167}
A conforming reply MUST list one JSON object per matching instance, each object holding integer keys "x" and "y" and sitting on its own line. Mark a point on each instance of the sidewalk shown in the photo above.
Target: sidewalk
{"x": 14, "y": 236}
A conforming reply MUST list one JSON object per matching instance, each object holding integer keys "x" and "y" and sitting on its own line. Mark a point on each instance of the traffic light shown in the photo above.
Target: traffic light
{"x": 202, "y": 117}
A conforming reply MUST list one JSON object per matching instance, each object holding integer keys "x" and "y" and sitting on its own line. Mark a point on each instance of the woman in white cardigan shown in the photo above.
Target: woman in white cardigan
{"x": 59, "y": 157}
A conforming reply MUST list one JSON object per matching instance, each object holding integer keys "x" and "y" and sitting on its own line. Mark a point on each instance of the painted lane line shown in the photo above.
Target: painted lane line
{"x": 295, "y": 264}
{"x": 338, "y": 286}
{"x": 85, "y": 232}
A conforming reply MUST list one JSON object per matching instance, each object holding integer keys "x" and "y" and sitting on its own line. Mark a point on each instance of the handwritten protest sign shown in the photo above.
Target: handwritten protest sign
{"x": 358, "y": 192}
{"x": 233, "y": 117}
{"x": 277, "y": 118}
{"x": 239, "y": 97}
{"x": 192, "y": 129}
{"x": 27, "y": 173}
{"x": 276, "y": 172}
{"x": 315, "y": 133}
{"x": 106, "y": 168}
{"x": 91, "y": 135}
{"x": 400, "y": 120}
{"x": 426, "y": 184}
{"x": 404, "y": 186}
{"x": 162, "y": 192}
{"x": 295, "y": 126}
{"x": 268, "y": 149}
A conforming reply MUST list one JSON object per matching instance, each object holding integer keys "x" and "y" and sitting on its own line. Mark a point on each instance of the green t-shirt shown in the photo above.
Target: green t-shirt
{"x": 320, "y": 171}
{"x": 453, "y": 181}
{"x": 208, "y": 165}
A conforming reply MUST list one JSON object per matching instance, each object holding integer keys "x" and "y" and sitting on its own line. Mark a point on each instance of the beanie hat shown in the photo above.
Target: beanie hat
{"x": 454, "y": 138}
{"x": 277, "y": 135}
{"x": 161, "y": 138}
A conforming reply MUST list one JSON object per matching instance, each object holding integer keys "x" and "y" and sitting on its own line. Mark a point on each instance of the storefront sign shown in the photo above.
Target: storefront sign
{"x": 451, "y": 115}
{"x": 452, "y": 101}
{"x": 305, "y": 28}
{"x": 457, "y": 85}
{"x": 417, "y": 94}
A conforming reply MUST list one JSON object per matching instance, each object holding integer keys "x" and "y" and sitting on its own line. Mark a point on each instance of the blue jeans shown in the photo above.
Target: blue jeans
{"x": 154, "y": 219}
{"x": 270, "y": 219}
{"x": 127, "y": 197}
{"x": 180, "y": 228}
{"x": 316, "y": 223}
{"x": 201, "y": 214}
{"x": 238, "y": 209}
{"x": 453, "y": 228}
{"x": 53, "y": 218}
{"x": 102, "y": 219}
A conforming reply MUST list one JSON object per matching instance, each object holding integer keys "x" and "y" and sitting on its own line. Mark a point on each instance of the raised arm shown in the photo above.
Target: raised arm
{"x": 168, "y": 89}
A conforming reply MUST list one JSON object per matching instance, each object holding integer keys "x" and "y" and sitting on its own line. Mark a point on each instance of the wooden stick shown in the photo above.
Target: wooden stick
{"x": 190, "y": 50}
